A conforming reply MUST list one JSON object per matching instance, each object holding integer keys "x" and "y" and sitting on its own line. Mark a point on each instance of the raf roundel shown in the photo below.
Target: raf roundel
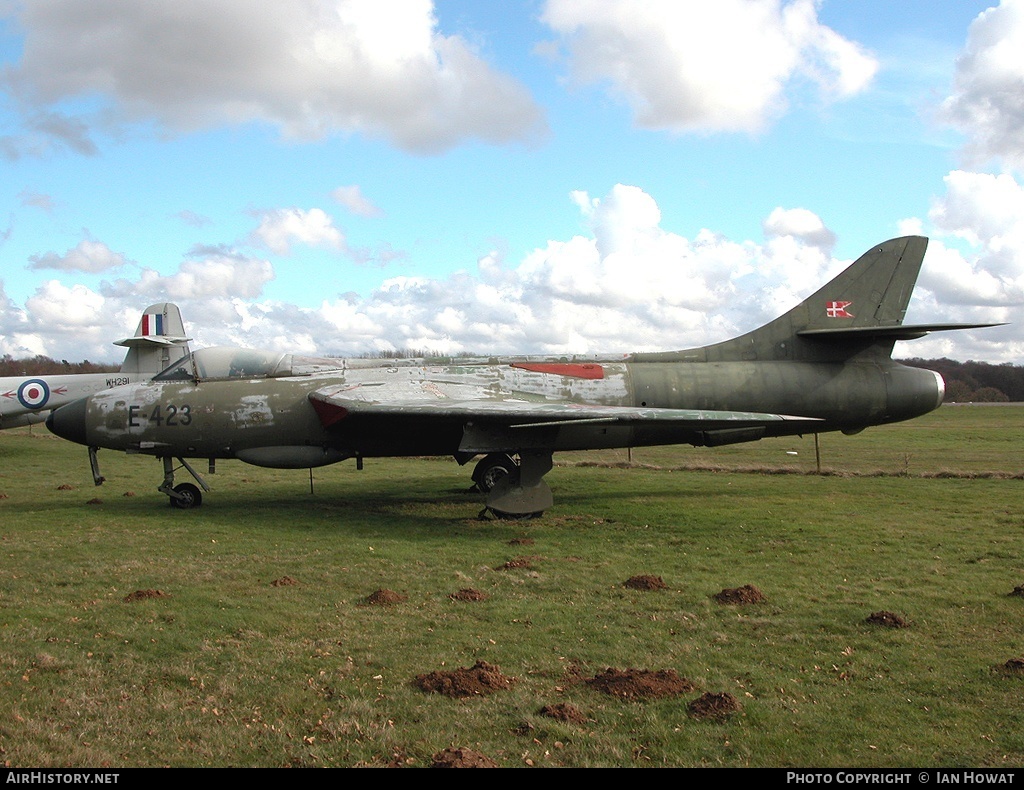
{"x": 33, "y": 394}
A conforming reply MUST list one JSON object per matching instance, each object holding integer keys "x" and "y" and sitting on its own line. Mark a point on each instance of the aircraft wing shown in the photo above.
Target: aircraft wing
{"x": 503, "y": 421}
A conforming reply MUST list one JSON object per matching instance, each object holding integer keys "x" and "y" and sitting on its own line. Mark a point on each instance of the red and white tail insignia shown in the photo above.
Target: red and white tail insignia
{"x": 838, "y": 309}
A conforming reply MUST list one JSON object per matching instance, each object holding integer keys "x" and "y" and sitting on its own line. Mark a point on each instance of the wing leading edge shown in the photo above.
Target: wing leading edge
{"x": 336, "y": 404}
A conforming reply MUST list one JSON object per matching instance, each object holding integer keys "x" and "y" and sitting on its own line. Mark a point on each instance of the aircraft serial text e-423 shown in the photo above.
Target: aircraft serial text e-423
{"x": 826, "y": 365}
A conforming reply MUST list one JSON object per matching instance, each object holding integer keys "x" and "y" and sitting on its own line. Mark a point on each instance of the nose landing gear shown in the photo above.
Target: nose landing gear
{"x": 184, "y": 496}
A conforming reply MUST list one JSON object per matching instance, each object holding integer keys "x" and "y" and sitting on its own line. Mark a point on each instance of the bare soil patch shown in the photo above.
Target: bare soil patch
{"x": 1014, "y": 665}
{"x": 468, "y": 594}
{"x": 521, "y": 542}
{"x": 284, "y": 581}
{"x": 1018, "y": 591}
{"x": 480, "y": 679}
{"x": 645, "y": 582}
{"x": 748, "y": 593}
{"x": 564, "y": 711}
{"x": 641, "y": 683}
{"x": 462, "y": 758}
{"x": 888, "y": 619}
{"x": 713, "y": 706}
{"x": 141, "y": 595}
{"x": 517, "y": 562}
{"x": 385, "y": 597}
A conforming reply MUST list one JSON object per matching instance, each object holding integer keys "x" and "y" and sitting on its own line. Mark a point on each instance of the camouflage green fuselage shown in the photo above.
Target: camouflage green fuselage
{"x": 272, "y": 421}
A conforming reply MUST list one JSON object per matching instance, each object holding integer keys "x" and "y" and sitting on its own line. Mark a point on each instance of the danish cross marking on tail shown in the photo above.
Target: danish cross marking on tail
{"x": 838, "y": 310}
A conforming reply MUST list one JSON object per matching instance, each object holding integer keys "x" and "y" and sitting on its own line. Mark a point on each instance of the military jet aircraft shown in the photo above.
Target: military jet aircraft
{"x": 159, "y": 339}
{"x": 824, "y": 366}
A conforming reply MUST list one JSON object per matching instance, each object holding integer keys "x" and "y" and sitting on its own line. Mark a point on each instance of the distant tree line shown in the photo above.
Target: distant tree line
{"x": 40, "y": 365}
{"x": 980, "y": 382}
{"x": 965, "y": 381}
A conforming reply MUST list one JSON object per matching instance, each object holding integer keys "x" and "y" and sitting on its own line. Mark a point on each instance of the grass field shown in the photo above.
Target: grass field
{"x": 231, "y": 665}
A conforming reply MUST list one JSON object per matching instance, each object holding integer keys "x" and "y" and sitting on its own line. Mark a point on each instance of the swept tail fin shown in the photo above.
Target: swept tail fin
{"x": 159, "y": 340}
{"x": 859, "y": 312}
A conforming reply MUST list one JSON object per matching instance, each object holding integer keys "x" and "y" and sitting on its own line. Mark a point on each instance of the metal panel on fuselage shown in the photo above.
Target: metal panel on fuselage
{"x": 206, "y": 420}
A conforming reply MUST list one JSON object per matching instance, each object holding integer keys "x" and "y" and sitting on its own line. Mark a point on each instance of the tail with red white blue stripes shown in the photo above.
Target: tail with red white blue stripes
{"x": 159, "y": 341}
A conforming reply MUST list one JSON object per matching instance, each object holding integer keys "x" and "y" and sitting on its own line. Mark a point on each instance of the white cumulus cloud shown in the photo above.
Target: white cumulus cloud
{"x": 310, "y": 67}
{"x": 352, "y": 198}
{"x": 278, "y": 228}
{"x": 86, "y": 256}
{"x": 690, "y": 65}
{"x": 987, "y": 100}
{"x": 626, "y": 283}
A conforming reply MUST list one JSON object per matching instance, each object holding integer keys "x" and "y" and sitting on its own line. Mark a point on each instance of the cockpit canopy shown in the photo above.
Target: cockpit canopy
{"x": 225, "y": 362}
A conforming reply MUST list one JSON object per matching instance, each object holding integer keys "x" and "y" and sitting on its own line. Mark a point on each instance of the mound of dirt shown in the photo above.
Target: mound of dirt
{"x": 518, "y": 562}
{"x": 284, "y": 581}
{"x": 385, "y": 598}
{"x": 645, "y": 583}
{"x": 888, "y": 619}
{"x": 748, "y": 593}
{"x": 521, "y": 542}
{"x": 65, "y": 487}
{"x": 461, "y": 758}
{"x": 641, "y": 683}
{"x": 713, "y": 706}
{"x": 480, "y": 679}
{"x": 1014, "y": 665}
{"x": 563, "y": 711}
{"x": 140, "y": 595}
{"x": 468, "y": 594}
{"x": 1018, "y": 591}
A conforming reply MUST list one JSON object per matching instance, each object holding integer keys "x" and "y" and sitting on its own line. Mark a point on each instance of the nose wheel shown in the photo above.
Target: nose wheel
{"x": 183, "y": 496}
{"x": 186, "y": 496}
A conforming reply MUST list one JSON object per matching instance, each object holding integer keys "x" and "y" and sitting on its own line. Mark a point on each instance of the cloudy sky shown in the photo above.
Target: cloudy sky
{"x": 532, "y": 176}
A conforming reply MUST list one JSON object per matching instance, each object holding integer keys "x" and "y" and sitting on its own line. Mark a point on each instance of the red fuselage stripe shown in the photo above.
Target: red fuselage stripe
{"x": 577, "y": 370}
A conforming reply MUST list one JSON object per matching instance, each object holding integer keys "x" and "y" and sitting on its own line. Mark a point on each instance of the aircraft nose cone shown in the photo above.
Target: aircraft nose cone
{"x": 68, "y": 422}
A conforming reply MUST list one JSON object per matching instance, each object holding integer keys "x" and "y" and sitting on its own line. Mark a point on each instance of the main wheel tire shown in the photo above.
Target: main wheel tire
{"x": 492, "y": 468}
{"x": 503, "y": 516}
{"x": 188, "y": 496}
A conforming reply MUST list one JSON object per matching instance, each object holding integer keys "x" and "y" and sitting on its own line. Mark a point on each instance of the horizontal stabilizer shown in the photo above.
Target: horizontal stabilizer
{"x": 900, "y": 332}
{"x": 158, "y": 340}
{"x": 151, "y": 340}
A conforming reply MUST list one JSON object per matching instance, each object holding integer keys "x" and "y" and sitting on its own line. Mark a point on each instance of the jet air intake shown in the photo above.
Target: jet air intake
{"x": 68, "y": 422}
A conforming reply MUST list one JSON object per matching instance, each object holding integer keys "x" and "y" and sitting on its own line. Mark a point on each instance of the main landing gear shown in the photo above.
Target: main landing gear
{"x": 491, "y": 468}
{"x": 184, "y": 495}
{"x": 515, "y": 489}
